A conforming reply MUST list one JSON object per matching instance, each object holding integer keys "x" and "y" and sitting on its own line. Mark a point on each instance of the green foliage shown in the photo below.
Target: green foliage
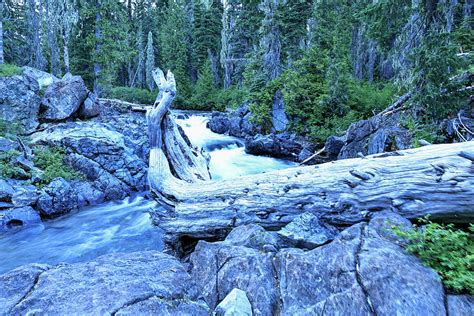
{"x": 446, "y": 249}
{"x": 205, "y": 95}
{"x": 429, "y": 132}
{"x": 8, "y": 167}
{"x": 8, "y": 70}
{"x": 9, "y": 129}
{"x": 434, "y": 64}
{"x": 51, "y": 161}
{"x": 231, "y": 98}
{"x": 133, "y": 95}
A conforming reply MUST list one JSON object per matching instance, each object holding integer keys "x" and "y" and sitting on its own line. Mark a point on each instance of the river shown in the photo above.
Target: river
{"x": 124, "y": 226}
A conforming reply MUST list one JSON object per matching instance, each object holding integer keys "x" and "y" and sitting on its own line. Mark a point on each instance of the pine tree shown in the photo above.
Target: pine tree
{"x": 150, "y": 62}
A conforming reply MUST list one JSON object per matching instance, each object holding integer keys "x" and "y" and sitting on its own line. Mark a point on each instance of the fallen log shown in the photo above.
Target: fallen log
{"x": 436, "y": 180}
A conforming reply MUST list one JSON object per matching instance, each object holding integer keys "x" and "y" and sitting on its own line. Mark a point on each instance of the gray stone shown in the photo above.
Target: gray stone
{"x": 8, "y": 144}
{"x": 44, "y": 79}
{"x": 26, "y": 195}
{"x": 24, "y": 163}
{"x": 87, "y": 194}
{"x": 460, "y": 305}
{"x": 15, "y": 217}
{"x": 104, "y": 156}
{"x": 219, "y": 123}
{"x": 378, "y": 134}
{"x": 16, "y": 284}
{"x": 279, "y": 119}
{"x": 90, "y": 107}
{"x": 307, "y": 231}
{"x": 235, "y": 303}
{"x": 160, "y": 306}
{"x": 117, "y": 283}
{"x": 334, "y": 145}
{"x": 19, "y": 101}
{"x": 6, "y": 191}
{"x": 57, "y": 198}
{"x": 63, "y": 98}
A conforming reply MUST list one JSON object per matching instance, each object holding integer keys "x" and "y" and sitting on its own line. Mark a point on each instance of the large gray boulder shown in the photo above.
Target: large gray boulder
{"x": 362, "y": 271}
{"x": 57, "y": 198}
{"x": 136, "y": 283}
{"x": 19, "y": 101}
{"x": 106, "y": 158}
{"x": 6, "y": 191}
{"x": 375, "y": 135}
{"x": 43, "y": 78}
{"x": 219, "y": 123}
{"x": 284, "y": 145}
{"x": 63, "y": 98}
{"x": 90, "y": 107}
{"x": 460, "y": 305}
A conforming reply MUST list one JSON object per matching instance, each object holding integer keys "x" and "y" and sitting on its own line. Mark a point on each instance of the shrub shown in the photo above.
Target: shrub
{"x": 8, "y": 70}
{"x": 133, "y": 95}
{"x": 446, "y": 249}
{"x": 51, "y": 161}
{"x": 429, "y": 132}
{"x": 9, "y": 129}
{"x": 8, "y": 169}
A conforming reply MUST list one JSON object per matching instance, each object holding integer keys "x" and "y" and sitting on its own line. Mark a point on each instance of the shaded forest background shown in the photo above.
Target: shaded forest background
{"x": 331, "y": 62}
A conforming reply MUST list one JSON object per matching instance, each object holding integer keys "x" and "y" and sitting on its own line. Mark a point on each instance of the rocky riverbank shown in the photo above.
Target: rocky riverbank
{"x": 309, "y": 265}
{"x": 103, "y": 141}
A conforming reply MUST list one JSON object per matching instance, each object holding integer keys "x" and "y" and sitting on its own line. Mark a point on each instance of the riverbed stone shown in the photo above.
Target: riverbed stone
{"x": 115, "y": 283}
{"x": 57, "y": 198}
{"x": 18, "y": 217}
{"x": 6, "y": 191}
{"x": 235, "y": 303}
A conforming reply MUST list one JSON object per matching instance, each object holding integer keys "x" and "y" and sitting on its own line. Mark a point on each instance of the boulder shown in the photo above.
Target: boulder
{"x": 218, "y": 123}
{"x": 363, "y": 269}
{"x": 15, "y": 217}
{"x": 25, "y": 195}
{"x": 90, "y": 107}
{"x": 460, "y": 305}
{"x": 19, "y": 101}
{"x": 87, "y": 194}
{"x": 57, "y": 198}
{"x": 134, "y": 283}
{"x": 44, "y": 79}
{"x": 307, "y": 231}
{"x": 6, "y": 191}
{"x": 104, "y": 156}
{"x": 283, "y": 145}
{"x": 376, "y": 135}
{"x": 8, "y": 144}
{"x": 63, "y": 98}
{"x": 334, "y": 145}
{"x": 279, "y": 119}
{"x": 235, "y": 303}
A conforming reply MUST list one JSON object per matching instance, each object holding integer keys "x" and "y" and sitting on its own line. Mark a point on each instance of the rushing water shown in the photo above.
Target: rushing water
{"x": 123, "y": 226}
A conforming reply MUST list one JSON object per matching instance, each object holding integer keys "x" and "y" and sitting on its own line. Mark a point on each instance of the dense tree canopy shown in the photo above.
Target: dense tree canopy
{"x": 333, "y": 61}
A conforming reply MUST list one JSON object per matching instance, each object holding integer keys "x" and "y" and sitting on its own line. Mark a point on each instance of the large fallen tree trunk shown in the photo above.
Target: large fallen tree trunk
{"x": 436, "y": 180}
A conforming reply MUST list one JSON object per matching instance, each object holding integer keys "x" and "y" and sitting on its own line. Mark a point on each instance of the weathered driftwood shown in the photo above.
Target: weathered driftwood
{"x": 436, "y": 180}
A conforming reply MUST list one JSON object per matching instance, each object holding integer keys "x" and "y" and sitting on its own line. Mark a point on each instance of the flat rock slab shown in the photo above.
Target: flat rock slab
{"x": 117, "y": 283}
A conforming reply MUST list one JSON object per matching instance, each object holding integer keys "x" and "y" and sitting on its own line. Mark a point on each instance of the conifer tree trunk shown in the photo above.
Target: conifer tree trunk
{"x": 2, "y": 58}
{"x": 66, "y": 54}
{"x": 53, "y": 46}
{"x": 98, "y": 38}
{"x": 38, "y": 60}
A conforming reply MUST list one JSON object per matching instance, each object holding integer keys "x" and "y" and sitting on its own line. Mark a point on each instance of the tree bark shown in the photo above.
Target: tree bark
{"x": 98, "y": 39}
{"x": 67, "y": 68}
{"x": 436, "y": 180}
{"x": 2, "y": 58}
{"x": 53, "y": 46}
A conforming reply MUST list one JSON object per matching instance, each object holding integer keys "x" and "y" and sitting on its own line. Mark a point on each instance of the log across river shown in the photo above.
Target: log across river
{"x": 124, "y": 226}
